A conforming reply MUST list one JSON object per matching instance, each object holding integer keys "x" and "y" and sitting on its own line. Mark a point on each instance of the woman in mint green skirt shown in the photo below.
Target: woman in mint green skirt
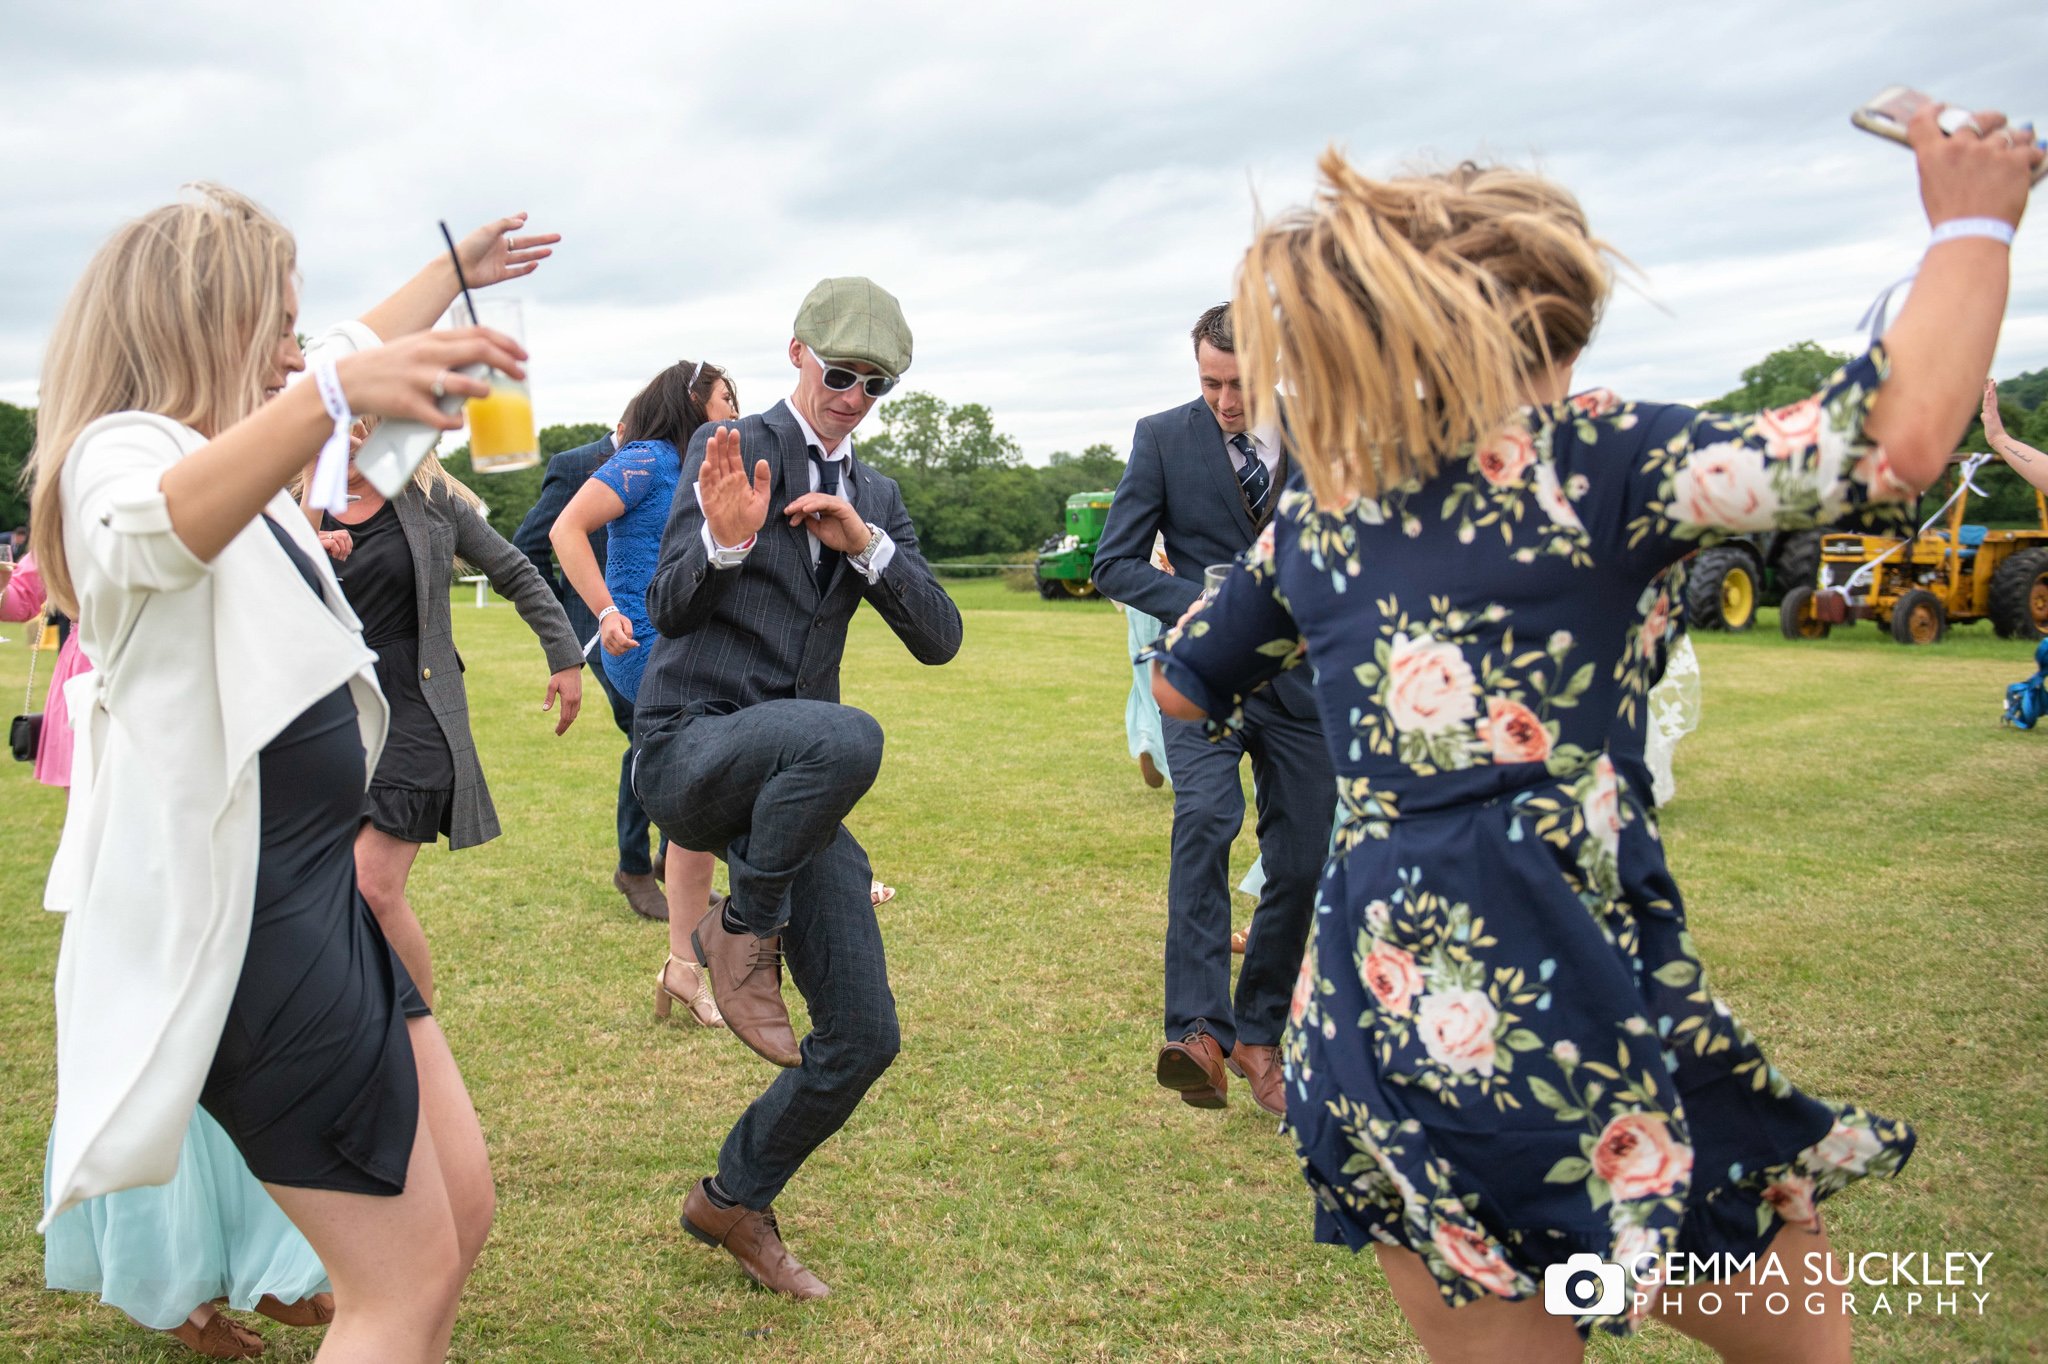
{"x": 164, "y": 1254}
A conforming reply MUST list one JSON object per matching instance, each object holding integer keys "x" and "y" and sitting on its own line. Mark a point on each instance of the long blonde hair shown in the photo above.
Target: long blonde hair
{"x": 179, "y": 313}
{"x": 1401, "y": 320}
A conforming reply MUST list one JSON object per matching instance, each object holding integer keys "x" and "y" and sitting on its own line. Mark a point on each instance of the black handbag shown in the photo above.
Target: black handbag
{"x": 25, "y": 731}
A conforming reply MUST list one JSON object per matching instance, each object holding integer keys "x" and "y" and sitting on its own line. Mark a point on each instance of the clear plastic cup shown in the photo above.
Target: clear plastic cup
{"x": 501, "y": 431}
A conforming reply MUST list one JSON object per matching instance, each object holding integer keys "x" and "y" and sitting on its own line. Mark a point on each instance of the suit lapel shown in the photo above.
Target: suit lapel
{"x": 407, "y": 508}
{"x": 1208, "y": 438}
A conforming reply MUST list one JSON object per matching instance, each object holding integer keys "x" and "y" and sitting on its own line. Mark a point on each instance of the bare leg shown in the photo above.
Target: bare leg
{"x": 689, "y": 892}
{"x": 1483, "y": 1332}
{"x": 398, "y": 1264}
{"x": 1756, "y": 1336}
{"x": 383, "y": 864}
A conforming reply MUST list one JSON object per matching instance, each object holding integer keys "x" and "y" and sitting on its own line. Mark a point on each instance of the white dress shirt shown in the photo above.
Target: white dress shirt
{"x": 722, "y": 556}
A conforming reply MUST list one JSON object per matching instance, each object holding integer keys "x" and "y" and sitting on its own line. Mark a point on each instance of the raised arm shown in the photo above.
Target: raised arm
{"x": 2024, "y": 459}
{"x": 490, "y": 255}
{"x": 1123, "y": 558}
{"x": 717, "y": 505}
{"x": 1941, "y": 345}
{"x": 595, "y": 504}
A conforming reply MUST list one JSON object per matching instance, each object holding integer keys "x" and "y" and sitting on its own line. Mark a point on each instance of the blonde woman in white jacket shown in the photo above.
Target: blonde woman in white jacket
{"x": 217, "y": 950}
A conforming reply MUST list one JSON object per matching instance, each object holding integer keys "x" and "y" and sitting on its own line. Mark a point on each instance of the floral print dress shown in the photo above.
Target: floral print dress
{"x": 1503, "y": 1048}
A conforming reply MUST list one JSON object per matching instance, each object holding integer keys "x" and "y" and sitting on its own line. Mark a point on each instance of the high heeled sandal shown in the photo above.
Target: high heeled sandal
{"x": 702, "y": 1007}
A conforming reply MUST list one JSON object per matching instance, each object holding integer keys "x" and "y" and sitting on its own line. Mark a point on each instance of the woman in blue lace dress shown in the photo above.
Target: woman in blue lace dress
{"x": 1504, "y": 1050}
{"x": 628, "y": 497}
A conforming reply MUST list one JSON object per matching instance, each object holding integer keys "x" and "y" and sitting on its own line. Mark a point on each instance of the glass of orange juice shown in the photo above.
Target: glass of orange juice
{"x": 501, "y": 431}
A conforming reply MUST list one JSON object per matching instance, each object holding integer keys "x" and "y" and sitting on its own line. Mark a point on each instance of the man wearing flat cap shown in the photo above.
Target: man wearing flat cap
{"x": 745, "y": 750}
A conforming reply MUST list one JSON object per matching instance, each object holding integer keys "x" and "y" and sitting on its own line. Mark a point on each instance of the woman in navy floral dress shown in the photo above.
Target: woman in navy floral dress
{"x": 1504, "y": 1050}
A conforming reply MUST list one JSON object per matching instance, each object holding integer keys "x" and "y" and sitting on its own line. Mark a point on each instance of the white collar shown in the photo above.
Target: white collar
{"x": 843, "y": 450}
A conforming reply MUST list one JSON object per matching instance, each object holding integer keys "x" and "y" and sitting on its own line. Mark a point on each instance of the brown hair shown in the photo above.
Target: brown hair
{"x": 1405, "y": 319}
{"x": 1214, "y": 327}
{"x": 671, "y": 407}
{"x": 179, "y": 313}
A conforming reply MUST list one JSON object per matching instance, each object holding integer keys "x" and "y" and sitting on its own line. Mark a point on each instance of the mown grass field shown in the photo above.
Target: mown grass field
{"x": 1861, "y": 847}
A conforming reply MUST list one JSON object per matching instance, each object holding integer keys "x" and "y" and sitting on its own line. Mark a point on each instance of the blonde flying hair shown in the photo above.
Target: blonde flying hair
{"x": 179, "y": 313}
{"x": 1400, "y": 321}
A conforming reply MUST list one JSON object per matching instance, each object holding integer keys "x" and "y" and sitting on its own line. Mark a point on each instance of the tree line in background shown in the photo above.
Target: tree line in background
{"x": 972, "y": 496}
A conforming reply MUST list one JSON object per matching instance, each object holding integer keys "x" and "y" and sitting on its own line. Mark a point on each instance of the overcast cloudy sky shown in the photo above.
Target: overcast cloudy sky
{"x": 1054, "y": 190}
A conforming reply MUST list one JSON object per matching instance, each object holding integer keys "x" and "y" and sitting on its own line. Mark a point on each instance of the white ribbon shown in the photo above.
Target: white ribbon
{"x": 1875, "y": 316}
{"x": 329, "y": 491}
{"x": 1963, "y": 484}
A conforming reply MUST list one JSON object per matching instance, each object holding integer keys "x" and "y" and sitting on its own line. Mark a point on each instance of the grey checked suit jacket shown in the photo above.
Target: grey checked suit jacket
{"x": 1182, "y": 481}
{"x": 732, "y": 638}
{"x": 437, "y": 529}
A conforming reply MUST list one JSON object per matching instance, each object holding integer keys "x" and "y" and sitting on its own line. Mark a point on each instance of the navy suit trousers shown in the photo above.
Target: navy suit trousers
{"x": 1295, "y": 791}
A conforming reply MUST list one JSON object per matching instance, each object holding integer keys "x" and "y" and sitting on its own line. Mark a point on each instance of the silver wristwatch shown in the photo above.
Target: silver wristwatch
{"x": 866, "y": 557}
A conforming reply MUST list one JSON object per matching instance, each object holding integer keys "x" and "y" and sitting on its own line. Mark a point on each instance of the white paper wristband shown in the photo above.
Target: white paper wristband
{"x": 1957, "y": 228}
{"x": 329, "y": 491}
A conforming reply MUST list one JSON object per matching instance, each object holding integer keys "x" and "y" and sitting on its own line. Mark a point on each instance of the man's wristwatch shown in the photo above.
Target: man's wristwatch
{"x": 866, "y": 557}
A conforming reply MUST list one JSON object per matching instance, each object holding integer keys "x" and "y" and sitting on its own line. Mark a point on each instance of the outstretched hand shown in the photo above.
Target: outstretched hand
{"x": 492, "y": 255}
{"x": 1982, "y": 170}
{"x": 734, "y": 507}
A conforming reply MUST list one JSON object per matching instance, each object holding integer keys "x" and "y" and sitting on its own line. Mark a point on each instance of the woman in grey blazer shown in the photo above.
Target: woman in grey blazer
{"x": 396, "y": 563}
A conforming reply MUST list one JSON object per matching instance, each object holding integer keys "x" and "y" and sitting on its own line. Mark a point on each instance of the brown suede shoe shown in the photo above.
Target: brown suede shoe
{"x": 1194, "y": 1066}
{"x": 1260, "y": 1065}
{"x": 746, "y": 977}
{"x": 221, "y": 1338}
{"x": 753, "y": 1239}
{"x": 642, "y": 894}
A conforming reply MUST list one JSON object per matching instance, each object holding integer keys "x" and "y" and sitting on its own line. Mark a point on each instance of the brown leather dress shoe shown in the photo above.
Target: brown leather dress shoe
{"x": 753, "y": 1239}
{"x": 1260, "y": 1066}
{"x": 317, "y": 1310}
{"x": 746, "y": 977}
{"x": 1194, "y": 1066}
{"x": 642, "y": 894}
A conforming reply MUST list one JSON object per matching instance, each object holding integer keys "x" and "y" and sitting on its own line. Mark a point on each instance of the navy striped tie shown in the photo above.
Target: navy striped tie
{"x": 1252, "y": 478}
{"x": 828, "y": 484}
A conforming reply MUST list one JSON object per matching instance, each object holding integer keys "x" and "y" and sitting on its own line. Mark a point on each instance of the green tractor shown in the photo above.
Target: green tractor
{"x": 1726, "y": 584}
{"x": 1066, "y": 563}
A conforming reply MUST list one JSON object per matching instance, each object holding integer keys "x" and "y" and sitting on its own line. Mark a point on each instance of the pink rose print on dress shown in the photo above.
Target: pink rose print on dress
{"x": 1791, "y": 1197}
{"x": 1513, "y": 732}
{"x": 1596, "y": 402}
{"x": 1304, "y": 991}
{"x": 1507, "y": 457}
{"x": 1457, "y": 1030}
{"x": 1847, "y": 1148}
{"x": 1551, "y": 498}
{"x": 1655, "y": 625}
{"x": 1790, "y": 431}
{"x": 1472, "y": 1255}
{"x": 1429, "y": 685}
{"x": 1392, "y": 976}
{"x": 1639, "y": 1158}
{"x": 1601, "y": 805}
{"x": 1724, "y": 485}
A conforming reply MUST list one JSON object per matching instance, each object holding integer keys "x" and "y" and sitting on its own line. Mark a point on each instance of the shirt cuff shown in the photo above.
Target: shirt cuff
{"x": 884, "y": 552}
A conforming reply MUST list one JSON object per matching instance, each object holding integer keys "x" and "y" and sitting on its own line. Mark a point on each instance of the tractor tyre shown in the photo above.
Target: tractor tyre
{"x": 1796, "y": 619}
{"x": 2019, "y": 596}
{"x": 1919, "y": 618}
{"x": 1798, "y": 562}
{"x": 1721, "y": 590}
{"x": 1049, "y": 588}
{"x": 1079, "y": 591}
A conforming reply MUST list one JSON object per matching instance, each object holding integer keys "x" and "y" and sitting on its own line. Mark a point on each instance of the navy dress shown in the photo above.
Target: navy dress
{"x": 314, "y": 1077}
{"x": 1503, "y": 1048}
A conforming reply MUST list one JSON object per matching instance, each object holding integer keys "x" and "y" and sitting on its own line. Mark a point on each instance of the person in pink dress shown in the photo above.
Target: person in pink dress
{"x": 22, "y": 599}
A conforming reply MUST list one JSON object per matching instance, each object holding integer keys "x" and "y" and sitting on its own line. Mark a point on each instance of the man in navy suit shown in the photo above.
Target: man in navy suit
{"x": 1198, "y": 476}
{"x": 567, "y": 472}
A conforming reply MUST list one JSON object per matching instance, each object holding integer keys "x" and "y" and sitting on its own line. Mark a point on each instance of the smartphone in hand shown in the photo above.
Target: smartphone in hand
{"x": 1887, "y": 113}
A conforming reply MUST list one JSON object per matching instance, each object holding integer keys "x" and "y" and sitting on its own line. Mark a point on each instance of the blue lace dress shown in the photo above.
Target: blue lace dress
{"x": 644, "y": 474}
{"x": 1503, "y": 1048}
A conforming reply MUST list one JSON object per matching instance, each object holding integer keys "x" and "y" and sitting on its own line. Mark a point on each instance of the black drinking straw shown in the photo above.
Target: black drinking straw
{"x": 453, "y": 255}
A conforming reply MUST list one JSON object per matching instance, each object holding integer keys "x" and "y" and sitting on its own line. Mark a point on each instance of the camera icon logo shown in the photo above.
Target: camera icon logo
{"x": 1584, "y": 1285}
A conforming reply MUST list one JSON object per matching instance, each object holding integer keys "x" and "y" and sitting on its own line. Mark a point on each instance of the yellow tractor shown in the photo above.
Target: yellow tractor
{"x": 1948, "y": 574}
